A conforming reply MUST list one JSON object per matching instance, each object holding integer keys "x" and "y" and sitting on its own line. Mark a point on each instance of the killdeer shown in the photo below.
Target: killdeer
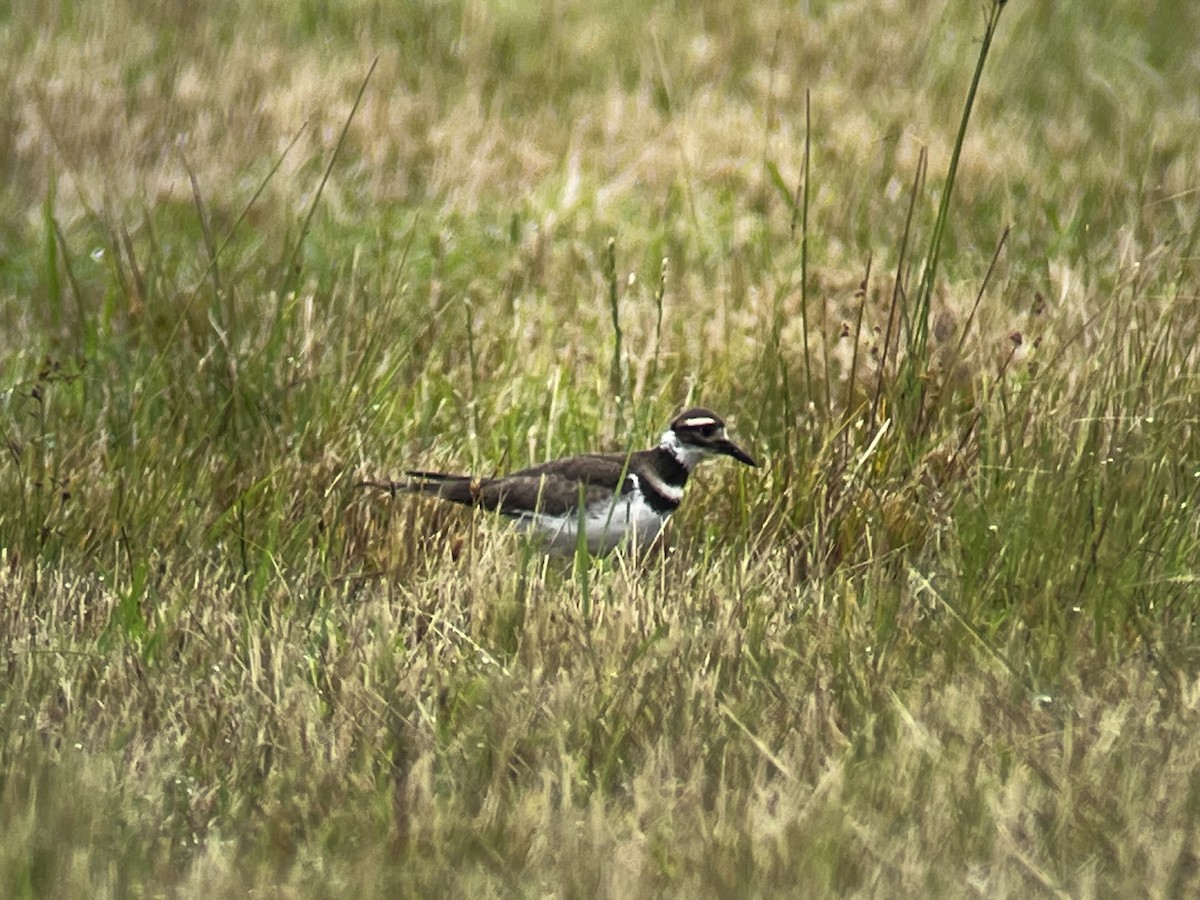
{"x": 613, "y": 496}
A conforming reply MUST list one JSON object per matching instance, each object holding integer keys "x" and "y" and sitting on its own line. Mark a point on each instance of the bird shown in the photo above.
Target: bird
{"x": 616, "y": 498}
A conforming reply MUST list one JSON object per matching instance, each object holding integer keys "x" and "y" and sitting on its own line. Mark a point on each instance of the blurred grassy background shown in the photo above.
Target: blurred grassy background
{"x": 944, "y": 644}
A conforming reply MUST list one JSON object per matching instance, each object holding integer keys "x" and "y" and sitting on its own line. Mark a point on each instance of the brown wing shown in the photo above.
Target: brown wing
{"x": 554, "y": 487}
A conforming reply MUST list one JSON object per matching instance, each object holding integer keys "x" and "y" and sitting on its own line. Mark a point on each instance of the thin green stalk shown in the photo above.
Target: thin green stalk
{"x": 966, "y": 329}
{"x": 896, "y": 307}
{"x": 473, "y": 360}
{"x": 851, "y": 407}
{"x": 658, "y": 316}
{"x": 920, "y": 334}
{"x": 76, "y": 291}
{"x": 292, "y": 270}
{"x": 53, "y": 283}
{"x": 616, "y": 381}
{"x": 803, "y": 206}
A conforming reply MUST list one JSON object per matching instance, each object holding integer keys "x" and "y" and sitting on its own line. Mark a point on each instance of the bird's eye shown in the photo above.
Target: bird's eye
{"x": 707, "y": 431}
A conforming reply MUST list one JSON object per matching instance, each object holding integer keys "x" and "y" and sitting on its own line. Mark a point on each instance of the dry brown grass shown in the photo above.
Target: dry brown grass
{"x": 947, "y": 652}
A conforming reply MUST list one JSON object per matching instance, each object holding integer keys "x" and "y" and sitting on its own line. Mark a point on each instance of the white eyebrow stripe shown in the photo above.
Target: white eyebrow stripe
{"x": 698, "y": 421}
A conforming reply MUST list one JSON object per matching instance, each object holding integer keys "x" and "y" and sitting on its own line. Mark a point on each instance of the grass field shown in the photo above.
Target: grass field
{"x": 944, "y": 644}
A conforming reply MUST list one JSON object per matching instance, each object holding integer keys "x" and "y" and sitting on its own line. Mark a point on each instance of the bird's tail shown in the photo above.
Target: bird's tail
{"x": 455, "y": 488}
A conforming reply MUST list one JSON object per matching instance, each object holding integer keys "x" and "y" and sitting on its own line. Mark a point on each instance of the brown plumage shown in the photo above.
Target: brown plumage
{"x": 612, "y": 495}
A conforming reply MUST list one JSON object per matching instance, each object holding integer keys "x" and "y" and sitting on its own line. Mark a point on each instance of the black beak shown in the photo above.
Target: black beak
{"x": 729, "y": 448}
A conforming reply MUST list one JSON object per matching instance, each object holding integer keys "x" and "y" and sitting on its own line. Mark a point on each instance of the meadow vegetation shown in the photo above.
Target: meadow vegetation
{"x": 943, "y": 644}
